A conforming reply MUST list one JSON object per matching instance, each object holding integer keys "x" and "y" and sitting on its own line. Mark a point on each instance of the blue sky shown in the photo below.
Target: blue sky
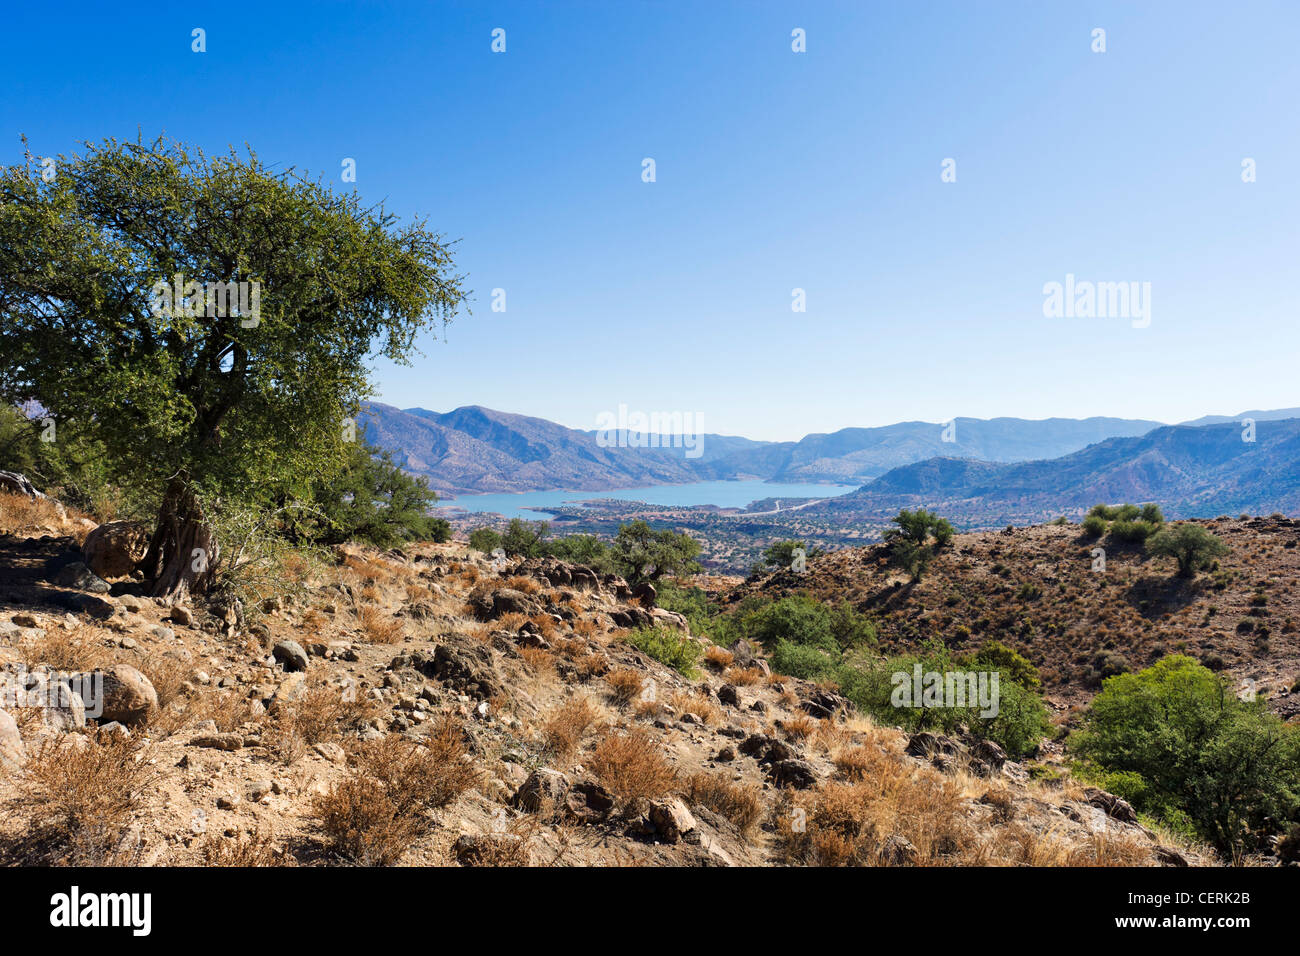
{"x": 775, "y": 170}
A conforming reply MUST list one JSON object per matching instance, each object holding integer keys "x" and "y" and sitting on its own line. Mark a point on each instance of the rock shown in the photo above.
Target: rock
{"x": 510, "y": 601}
{"x": 127, "y": 696}
{"x": 182, "y": 616}
{"x": 825, "y": 705}
{"x": 726, "y": 755}
{"x": 544, "y": 789}
{"x": 1168, "y": 856}
{"x": 331, "y": 751}
{"x": 987, "y": 758}
{"x": 798, "y": 774}
{"x": 290, "y": 655}
{"x": 671, "y": 820}
{"x": 259, "y": 789}
{"x": 589, "y": 802}
{"x": 218, "y": 741}
{"x": 114, "y": 549}
{"x": 729, "y": 694}
{"x": 77, "y": 575}
{"x": 1113, "y": 806}
{"x": 645, "y": 594}
{"x": 61, "y": 707}
{"x": 926, "y": 745}
{"x": 18, "y": 484}
{"x": 227, "y": 802}
{"x": 26, "y": 620}
{"x": 12, "y": 752}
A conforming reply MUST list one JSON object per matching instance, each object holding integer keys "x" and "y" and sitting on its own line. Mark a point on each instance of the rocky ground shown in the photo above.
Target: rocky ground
{"x": 426, "y": 707}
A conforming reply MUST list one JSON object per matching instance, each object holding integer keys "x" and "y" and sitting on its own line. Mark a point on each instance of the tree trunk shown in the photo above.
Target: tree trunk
{"x": 183, "y": 551}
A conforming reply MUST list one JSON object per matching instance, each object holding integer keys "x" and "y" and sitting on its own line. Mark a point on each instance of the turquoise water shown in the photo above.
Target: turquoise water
{"x": 724, "y": 494}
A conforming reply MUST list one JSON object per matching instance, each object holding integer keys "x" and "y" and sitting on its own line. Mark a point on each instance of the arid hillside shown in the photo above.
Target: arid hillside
{"x": 425, "y": 706}
{"x": 1041, "y": 590}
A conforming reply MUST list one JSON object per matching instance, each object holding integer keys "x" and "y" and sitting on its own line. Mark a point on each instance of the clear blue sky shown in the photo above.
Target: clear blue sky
{"x": 775, "y": 170}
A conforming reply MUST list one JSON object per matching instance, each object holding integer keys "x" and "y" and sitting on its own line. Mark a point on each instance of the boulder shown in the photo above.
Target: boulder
{"x": 290, "y": 655}
{"x": 544, "y": 789}
{"x": 12, "y": 752}
{"x": 671, "y": 820}
{"x": 798, "y": 774}
{"x": 128, "y": 696}
{"x": 589, "y": 802}
{"x": 1114, "y": 807}
{"x": 77, "y": 575}
{"x": 114, "y": 549}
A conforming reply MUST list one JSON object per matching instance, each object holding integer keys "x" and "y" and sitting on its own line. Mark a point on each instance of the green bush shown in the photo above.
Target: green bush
{"x": 668, "y": 646}
{"x": 1190, "y": 545}
{"x": 1134, "y": 531}
{"x": 798, "y": 620}
{"x": 484, "y": 539}
{"x": 1094, "y": 526}
{"x": 803, "y": 661}
{"x": 1228, "y": 766}
{"x": 1013, "y": 666}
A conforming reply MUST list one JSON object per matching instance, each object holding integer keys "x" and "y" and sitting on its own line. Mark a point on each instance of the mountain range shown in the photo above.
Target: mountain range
{"x": 476, "y": 450}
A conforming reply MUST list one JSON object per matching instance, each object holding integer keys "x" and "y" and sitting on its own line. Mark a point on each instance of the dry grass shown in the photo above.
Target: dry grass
{"x": 253, "y": 850}
{"x": 718, "y": 657}
{"x": 523, "y": 584}
{"x": 78, "y": 794}
{"x": 564, "y": 729}
{"x": 799, "y": 728}
{"x": 739, "y": 803}
{"x": 742, "y": 676}
{"x": 632, "y": 766}
{"x": 691, "y": 702}
{"x": 322, "y": 713}
{"x": 375, "y": 813}
{"x": 540, "y": 662}
{"x": 378, "y": 627}
{"x": 369, "y": 571}
{"x": 20, "y": 514}
{"x": 79, "y": 649}
{"x": 625, "y": 684}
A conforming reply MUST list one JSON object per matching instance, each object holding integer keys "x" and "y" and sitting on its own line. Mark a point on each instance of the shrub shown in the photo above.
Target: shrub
{"x": 1094, "y": 526}
{"x": 668, "y": 646}
{"x": 739, "y": 803}
{"x": 625, "y": 683}
{"x": 919, "y": 536}
{"x": 802, "y": 661}
{"x": 1190, "y": 545}
{"x": 484, "y": 539}
{"x": 642, "y": 553}
{"x": 632, "y": 766}
{"x": 1228, "y": 766}
{"x": 563, "y": 730}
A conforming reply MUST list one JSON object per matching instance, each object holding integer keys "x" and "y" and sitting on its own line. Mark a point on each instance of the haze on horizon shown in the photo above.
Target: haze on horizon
{"x": 775, "y": 171}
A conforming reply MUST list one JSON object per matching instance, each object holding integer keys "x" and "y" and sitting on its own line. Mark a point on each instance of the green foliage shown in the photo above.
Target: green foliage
{"x": 1010, "y": 663}
{"x": 1228, "y": 766}
{"x": 584, "y": 549}
{"x": 780, "y": 554}
{"x": 195, "y": 409}
{"x": 525, "y": 539}
{"x": 1135, "y": 531}
{"x": 1193, "y": 547}
{"x": 372, "y": 500}
{"x": 919, "y": 536}
{"x": 670, "y": 647}
{"x": 1094, "y": 526}
{"x": 484, "y": 539}
{"x": 803, "y": 660}
{"x": 642, "y": 553}
{"x": 797, "y": 620}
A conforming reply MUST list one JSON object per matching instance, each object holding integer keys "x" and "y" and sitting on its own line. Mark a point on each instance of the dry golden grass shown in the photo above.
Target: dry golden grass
{"x": 418, "y": 592}
{"x": 79, "y": 649}
{"x": 511, "y": 622}
{"x": 253, "y": 850}
{"x": 227, "y": 709}
{"x": 540, "y": 662}
{"x": 20, "y": 514}
{"x": 168, "y": 673}
{"x": 524, "y": 584}
{"x": 545, "y": 625}
{"x": 373, "y": 815}
{"x": 718, "y": 657}
{"x": 740, "y": 803}
{"x": 799, "y": 728}
{"x": 369, "y": 571}
{"x": 563, "y": 730}
{"x": 585, "y": 627}
{"x": 321, "y": 713}
{"x": 625, "y": 684}
{"x": 631, "y": 765}
{"x": 742, "y": 676}
{"x": 79, "y": 793}
{"x": 378, "y": 627}
{"x": 691, "y": 702}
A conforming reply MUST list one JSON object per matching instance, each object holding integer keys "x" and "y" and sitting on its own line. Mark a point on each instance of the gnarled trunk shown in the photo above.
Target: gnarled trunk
{"x": 183, "y": 551}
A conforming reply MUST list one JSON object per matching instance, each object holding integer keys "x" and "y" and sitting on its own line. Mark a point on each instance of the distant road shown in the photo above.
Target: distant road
{"x": 778, "y": 509}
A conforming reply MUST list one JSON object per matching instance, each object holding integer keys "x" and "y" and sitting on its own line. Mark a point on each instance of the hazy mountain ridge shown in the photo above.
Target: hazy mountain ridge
{"x": 1192, "y": 471}
{"x": 475, "y": 449}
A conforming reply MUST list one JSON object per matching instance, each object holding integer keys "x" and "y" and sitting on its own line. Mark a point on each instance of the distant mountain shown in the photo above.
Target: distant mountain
{"x": 475, "y": 449}
{"x": 1259, "y": 416}
{"x": 1191, "y": 471}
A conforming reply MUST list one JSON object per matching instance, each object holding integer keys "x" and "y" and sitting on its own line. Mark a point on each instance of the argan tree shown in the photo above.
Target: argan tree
{"x": 121, "y": 311}
{"x": 920, "y": 535}
{"x": 1190, "y": 545}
